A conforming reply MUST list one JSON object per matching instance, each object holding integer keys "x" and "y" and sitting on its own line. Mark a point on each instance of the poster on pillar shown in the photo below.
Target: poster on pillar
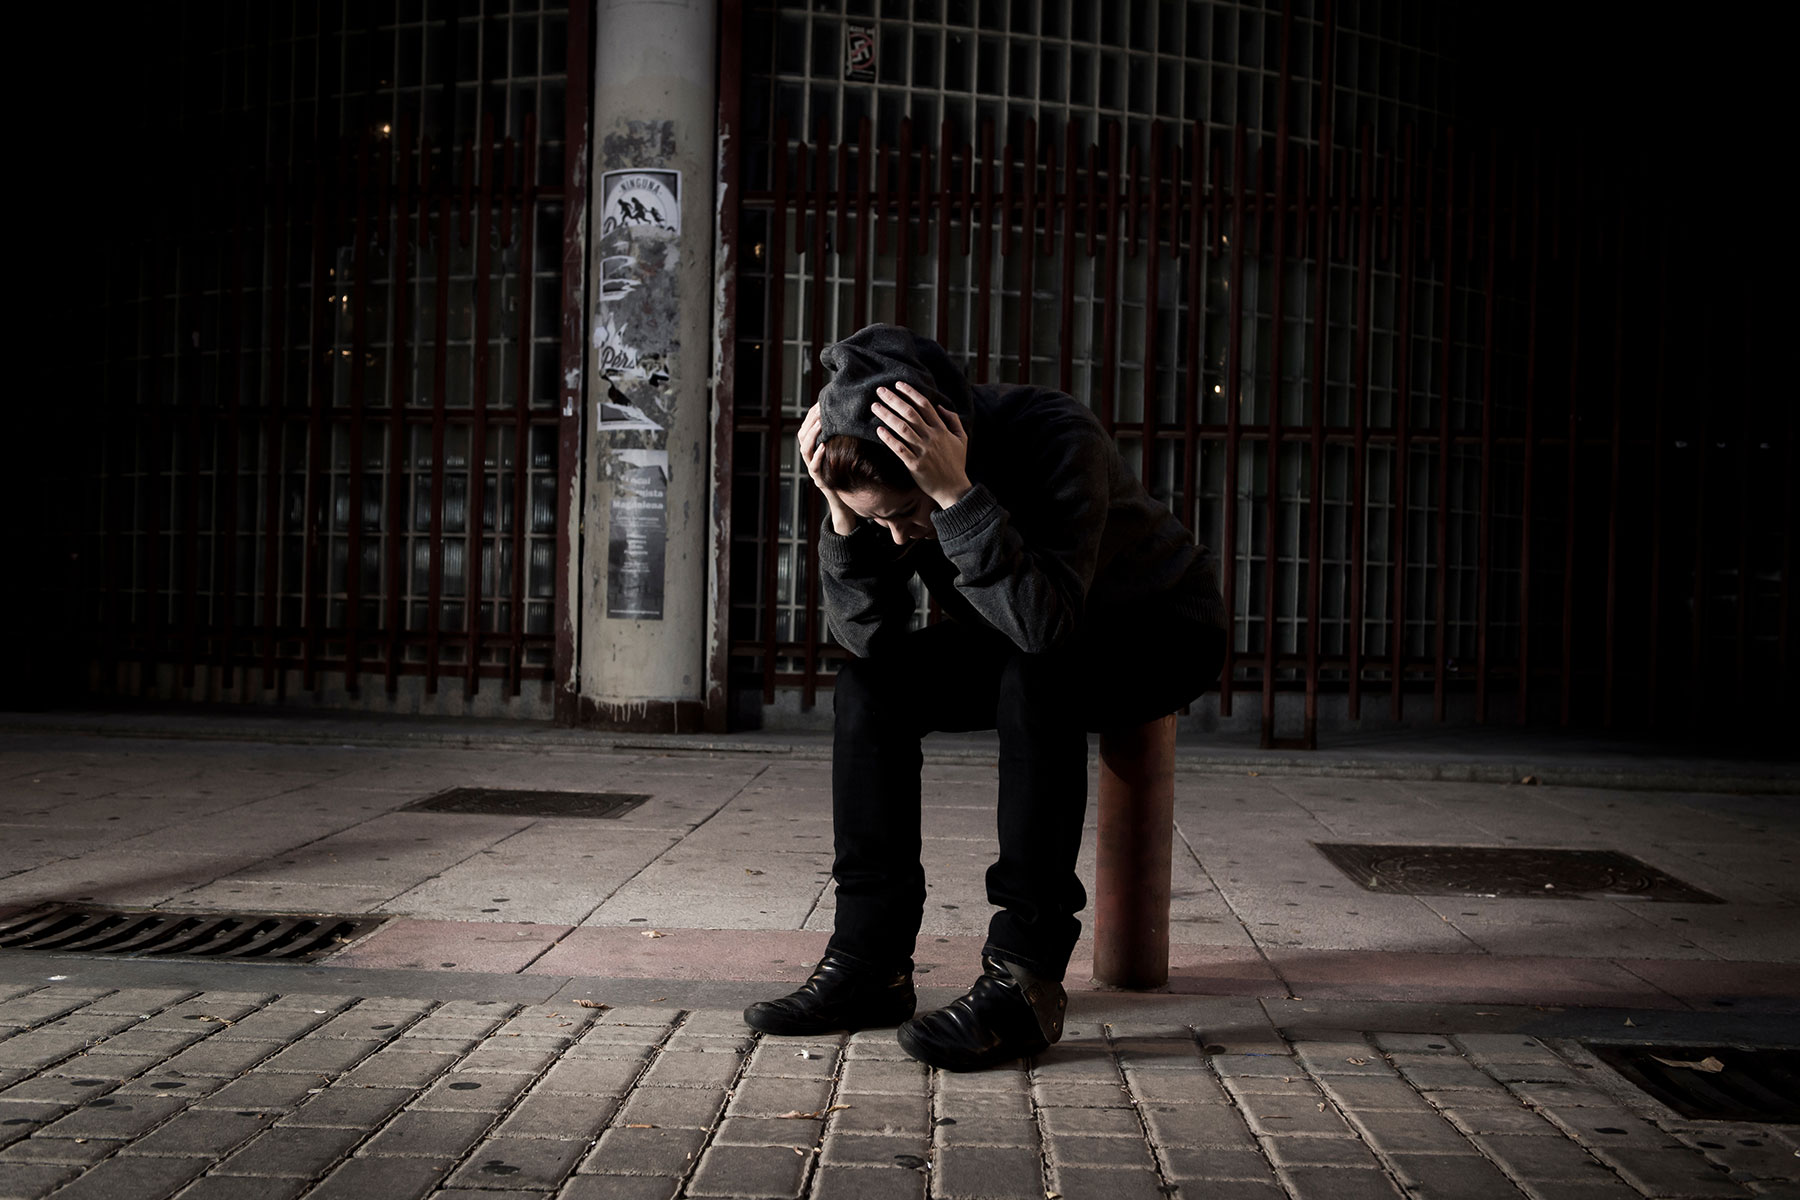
{"x": 636, "y": 342}
{"x": 637, "y": 538}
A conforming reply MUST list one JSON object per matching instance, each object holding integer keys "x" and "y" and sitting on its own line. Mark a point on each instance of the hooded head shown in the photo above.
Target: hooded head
{"x": 881, "y": 356}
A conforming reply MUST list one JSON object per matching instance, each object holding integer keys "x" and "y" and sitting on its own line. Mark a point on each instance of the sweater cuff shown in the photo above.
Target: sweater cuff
{"x": 974, "y": 510}
{"x": 838, "y": 552}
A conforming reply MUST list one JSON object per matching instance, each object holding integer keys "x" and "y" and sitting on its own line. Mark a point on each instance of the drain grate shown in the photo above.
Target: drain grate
{"x": 1713, "y": 1083}
{"x": 524, "y": 802}
{"x": 1508, "y": 871}
{"x": 78, "y": 929}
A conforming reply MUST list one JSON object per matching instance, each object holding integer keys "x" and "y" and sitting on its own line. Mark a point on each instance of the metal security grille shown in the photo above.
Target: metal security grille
{"x": 75, "y": 929}
{"x": 1375, "y": 366}
{"x": 334, "y": 361}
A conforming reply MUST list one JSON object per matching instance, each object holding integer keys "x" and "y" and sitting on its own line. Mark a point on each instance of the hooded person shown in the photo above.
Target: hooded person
{"x": 1072, "y": 601}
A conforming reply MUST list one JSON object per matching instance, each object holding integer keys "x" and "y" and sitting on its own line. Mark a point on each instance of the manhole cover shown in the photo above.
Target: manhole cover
{"x": 1713, "y": 1083}
{"x": 524, "y": 802}
{"x": 80, "y": 929}
{"x": 1507, "y": 871}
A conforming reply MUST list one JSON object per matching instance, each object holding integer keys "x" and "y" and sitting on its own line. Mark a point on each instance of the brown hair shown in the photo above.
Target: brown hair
{"x": 853, "y": 464}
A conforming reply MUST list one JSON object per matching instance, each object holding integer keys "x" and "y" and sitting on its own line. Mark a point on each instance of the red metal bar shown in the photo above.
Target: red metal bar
{"x": 1109, "y": 320}
{"x": 1136, "y": 813}
{"x": 985, "y": 275}
{"x": 1573, "y": 447}
{"x": 476, "y": 530}
{"x": 359, "y": 351}
{"x": 1366, "y": 174}
{"x": 945, "y": 198}
{"x": 1658, "y": 480}
{"x": 1527, "y": 490}
{"x": 274, "y": 467}
{"x": 522, "y": 397}
{"x": 860, "y": 303}
{"x": 1065, "y": 353}
{"x": 1195, "y": 340}
{"x": 573, "y": 339}
{"x": 1484, "y": 551}
{"x": 231, "y": 390}
{"x": 777, "y": 354}
{"x": 1403, "y": 432}
{"x": 1027, "y": 249}
{"x": 1614, "y": 467}
{"x": 815, "y": 383}
{"x": 1234, "y": 403}
{"x": 1277, "y": 336}
{"x": 319, "y": 400}
{"x": 1446, "y": 314}
{"x": 1316, "y": 465}
{"x": 1152, "y": 261}
{"x": 903, "y": 230}
{"x": 446, "y": 202}
{"x": 399, "y": 372}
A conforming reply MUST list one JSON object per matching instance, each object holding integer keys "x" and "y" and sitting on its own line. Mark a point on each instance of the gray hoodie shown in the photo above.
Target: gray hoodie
{"x": 1055, "y": 532}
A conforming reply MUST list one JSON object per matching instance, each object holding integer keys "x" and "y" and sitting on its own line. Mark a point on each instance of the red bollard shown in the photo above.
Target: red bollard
{"x": 1131, "y": 880}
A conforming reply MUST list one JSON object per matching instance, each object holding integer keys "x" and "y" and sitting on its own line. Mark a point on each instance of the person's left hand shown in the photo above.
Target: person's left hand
{"x": 929, "y": 440}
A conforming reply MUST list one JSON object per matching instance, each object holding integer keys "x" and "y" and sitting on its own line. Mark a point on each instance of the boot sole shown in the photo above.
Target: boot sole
{"x": 783, "y": 1028}
{"x": 928, "y": 1055}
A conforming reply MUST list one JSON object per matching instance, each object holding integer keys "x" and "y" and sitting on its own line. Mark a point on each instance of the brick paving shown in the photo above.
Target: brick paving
{"x": 152, "y": 1093}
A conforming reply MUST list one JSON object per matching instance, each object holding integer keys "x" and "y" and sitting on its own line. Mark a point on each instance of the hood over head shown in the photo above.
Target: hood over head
{"x": 881, "y": 356}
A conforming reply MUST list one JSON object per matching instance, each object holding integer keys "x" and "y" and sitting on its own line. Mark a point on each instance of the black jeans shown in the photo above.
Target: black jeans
{"x": 954, "y": 677}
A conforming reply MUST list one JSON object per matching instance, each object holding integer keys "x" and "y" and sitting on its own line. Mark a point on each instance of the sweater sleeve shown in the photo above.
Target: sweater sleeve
{"x": 1033, "y": 590}
{"x": 864, "y": 585}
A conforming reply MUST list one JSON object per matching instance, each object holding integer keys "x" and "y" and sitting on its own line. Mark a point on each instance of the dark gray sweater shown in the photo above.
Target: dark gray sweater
{"x": 1055, "y": 532}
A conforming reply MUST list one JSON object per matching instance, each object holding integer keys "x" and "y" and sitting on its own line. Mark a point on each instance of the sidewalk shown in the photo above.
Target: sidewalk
{"x": 533, "y": 1020}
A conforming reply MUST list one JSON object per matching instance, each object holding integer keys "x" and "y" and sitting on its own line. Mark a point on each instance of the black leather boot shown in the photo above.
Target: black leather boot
{"x": 843, "y": 993}
{"x": 1008, "y": 1014}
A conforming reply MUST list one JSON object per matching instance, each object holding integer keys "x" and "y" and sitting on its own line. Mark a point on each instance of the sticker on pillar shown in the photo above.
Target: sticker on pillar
{"x": 619, "y": 415}
{"x": 650, "y": 199}
{"x": 859, "y": 53}
{"x": 638, "y": 535}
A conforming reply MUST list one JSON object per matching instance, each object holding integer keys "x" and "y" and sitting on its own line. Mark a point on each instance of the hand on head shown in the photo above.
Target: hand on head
{"x": 928, "y": 439}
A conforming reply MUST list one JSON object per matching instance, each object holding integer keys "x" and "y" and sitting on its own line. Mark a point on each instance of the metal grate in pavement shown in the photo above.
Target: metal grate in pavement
{"x": 82, "y": 929}
{"x": 1512, "y": 871}
{"x": 525, "y": 802}
{"x": 1713, "y": 1083}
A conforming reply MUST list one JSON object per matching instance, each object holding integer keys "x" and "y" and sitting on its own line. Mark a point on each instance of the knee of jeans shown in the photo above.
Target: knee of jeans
{"x": 1036, "y": 688}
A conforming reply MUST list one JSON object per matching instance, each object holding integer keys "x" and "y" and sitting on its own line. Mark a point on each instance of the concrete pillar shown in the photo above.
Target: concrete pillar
{"x": 642, "y": 623}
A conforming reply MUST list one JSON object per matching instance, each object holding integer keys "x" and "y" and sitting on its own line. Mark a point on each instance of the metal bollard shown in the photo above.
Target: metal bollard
{"x": 1131, "y": 880}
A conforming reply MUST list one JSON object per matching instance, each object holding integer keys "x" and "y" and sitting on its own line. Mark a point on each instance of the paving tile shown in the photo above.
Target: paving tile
{"x": 1664, "y": 1172}
{"x": 620, "y": 1187}
{"x": 208, "y": 1134}
{"x": 232, "y": 1187}
{"x": 1004, "y": 1173}
{"x": 1337, "y": 1183}
{"x": 129, "y": 1177}
{"x": 1451, "y": 1177}
{"x": 518, "y": 1162}
{"x": 261, "y": 1089}
{"x": 693, "y": 1069}
{"x": 437, "y": 1134}
{"x": 674, "y": 1107}
{"x": 388, "y": 1178}
{"x": 871, "y": 1149}
{"x": 1197, "y": 1125}
{"x": 1283, "y": 1115}
{"x": 115, "y": 1116}
{"x": 863, "y": 1113}
{"x": 591, "y": 1076}
{"x": 755, "y": 1096}
{"x": 1111, "y": 1122}
{"x": 906, "y": 1078}
{"x": 768, "y": 1131}
{"x": 288, "y": 1151}
{"x": 565, "y": 1116}
{"x": 1527, "y": 1157}
{"x": 623, "y": 1151}
{"x": 834, "y": 1182}
{"x": 1215, "y": 1163}
{"x": 349, "y": 1107}
{"x": 487, "y": 1093}
{"x": 1410, "y": 1132}
{"x": 761, "y": 1171}
{"x": 29, "y": 1180}
{"x": 1098, "y": 1151}
{"x": 77, "y": 1151}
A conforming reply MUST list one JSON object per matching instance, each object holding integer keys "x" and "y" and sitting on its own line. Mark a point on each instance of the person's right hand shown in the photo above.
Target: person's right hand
{"x": 812, "y": 452}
